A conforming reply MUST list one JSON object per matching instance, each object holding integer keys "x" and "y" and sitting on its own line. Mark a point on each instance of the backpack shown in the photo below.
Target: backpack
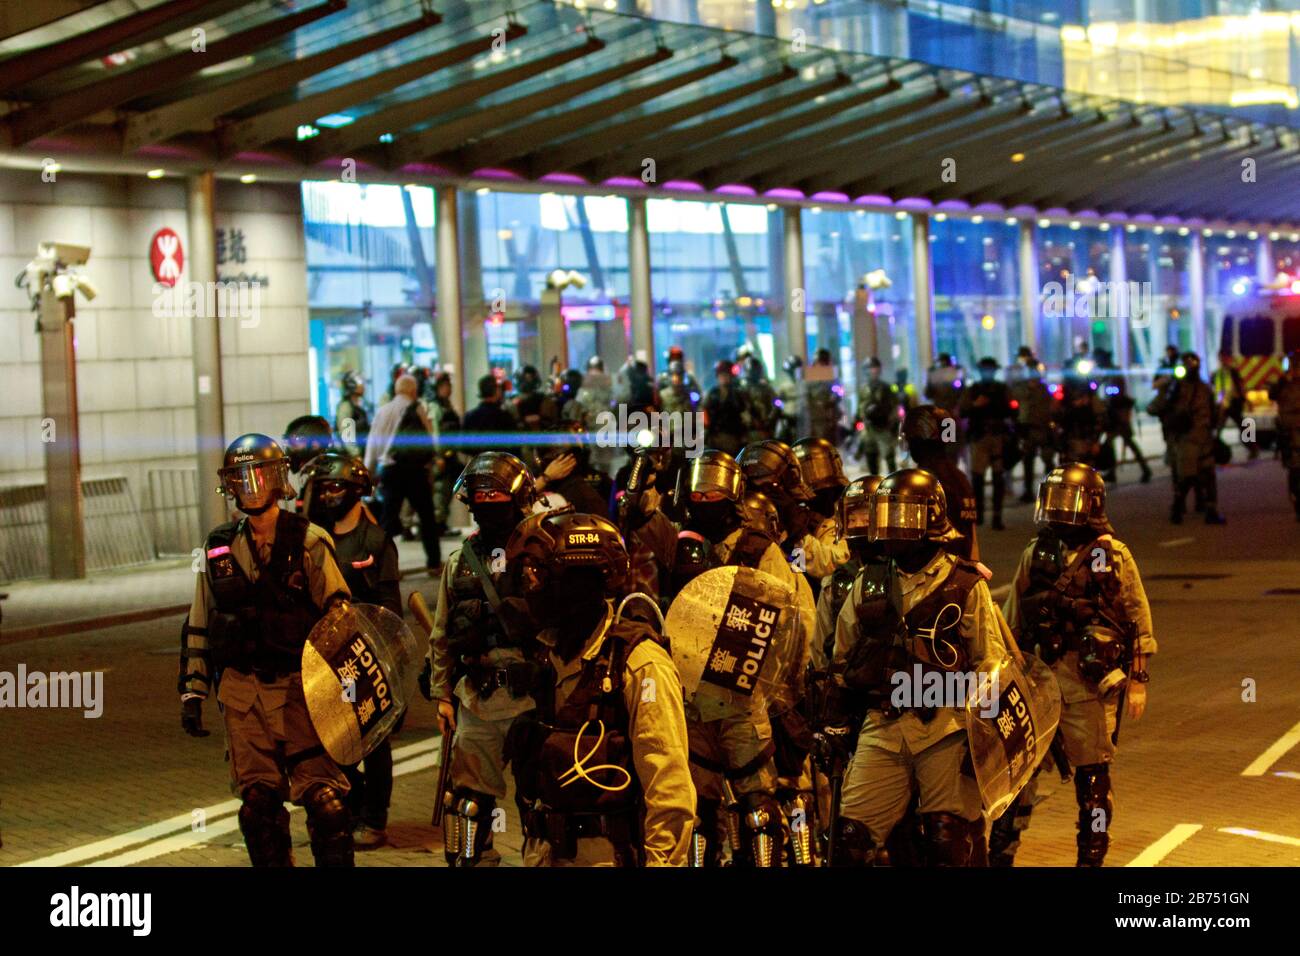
{"x": 412, "y": 445}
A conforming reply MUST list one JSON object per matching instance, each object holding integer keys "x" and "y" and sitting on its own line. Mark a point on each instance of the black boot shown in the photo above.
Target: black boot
{"x": 853, "y": 844}
{"x": 1096, "y": 812}
{"x": 999, "y": 491}
{"x": 977, "y": 483}
{"x": 265, "y": 824}
{"x": 949, "y": 839}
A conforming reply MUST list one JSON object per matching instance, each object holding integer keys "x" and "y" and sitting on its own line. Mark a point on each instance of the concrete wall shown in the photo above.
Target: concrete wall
{"x": 134, "y": 372}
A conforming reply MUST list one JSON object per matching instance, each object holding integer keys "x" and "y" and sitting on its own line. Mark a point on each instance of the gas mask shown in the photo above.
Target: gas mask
{"x": 496, "y": 519}
{"x": 713, "y": 519}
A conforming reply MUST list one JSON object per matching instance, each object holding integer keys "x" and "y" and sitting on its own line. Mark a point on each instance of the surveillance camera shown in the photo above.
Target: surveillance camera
{"x": 65, "y": 252}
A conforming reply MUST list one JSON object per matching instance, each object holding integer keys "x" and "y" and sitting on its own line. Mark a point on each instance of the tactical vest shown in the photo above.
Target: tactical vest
{"x": 928, "y": 634}
{"x": 749, "y": 550}
{"x": 1047, "y": 613}
{"x": 840, "y": 587}
{"x": 473, "y": 627}
{"x": 260, "y": 626}
{"x": 360, "y": 554}
{"x": 552, "y": 744}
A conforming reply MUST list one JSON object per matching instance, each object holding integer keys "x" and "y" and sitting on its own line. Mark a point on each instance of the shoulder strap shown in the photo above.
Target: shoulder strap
{"x": 1076, "y": 566}
{"x": 223, "y": 535}
{"x": 750, "y": 548}
{"x": 476, "y": 565}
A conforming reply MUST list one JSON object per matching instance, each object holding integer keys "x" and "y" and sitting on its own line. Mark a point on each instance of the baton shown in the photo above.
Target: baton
{"x": 420, "y": 611}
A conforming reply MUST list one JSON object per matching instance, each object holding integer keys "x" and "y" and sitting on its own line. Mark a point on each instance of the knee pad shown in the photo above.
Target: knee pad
{"x": 763, "y": 828}
{"x": 329, "y": 821}
{"x": 801, "y": 814}
{"x": 1096, "y": 812}
{"x": 853, "y": 844}
{"x": 467, "y": 826}
{"x": 264, "y": 822}
{"x": 950, "y": 840}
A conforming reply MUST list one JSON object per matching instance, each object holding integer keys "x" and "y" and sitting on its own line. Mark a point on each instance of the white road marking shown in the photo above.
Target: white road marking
{"x": 1289, "y": 774}
{"x": 1261, "y": 835}
{"x": 1175, "y": 542}
{"x": 1165, "y": 845}
{"x": 168, "y": 835}
{"x": 1259, "y": 766}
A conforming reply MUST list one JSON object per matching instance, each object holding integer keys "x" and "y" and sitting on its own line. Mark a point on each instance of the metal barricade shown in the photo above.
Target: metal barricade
{"x": 174, "y": 510}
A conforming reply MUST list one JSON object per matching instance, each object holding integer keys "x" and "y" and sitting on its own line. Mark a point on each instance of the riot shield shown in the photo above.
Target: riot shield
{"x": 1010, "y": 723}
{"x": 359, "y": 669}
{"x": 732, "y": 631}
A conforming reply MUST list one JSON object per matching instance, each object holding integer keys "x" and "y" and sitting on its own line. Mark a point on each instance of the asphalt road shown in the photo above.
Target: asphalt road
{"x": 1210, "y": 776}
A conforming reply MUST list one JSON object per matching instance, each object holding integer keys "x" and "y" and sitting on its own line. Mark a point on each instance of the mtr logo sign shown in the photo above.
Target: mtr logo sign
{"x": 166, "y": 257}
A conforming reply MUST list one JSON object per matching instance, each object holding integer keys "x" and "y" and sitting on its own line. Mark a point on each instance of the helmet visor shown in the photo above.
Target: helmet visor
{"x": 898, "y": 518}
{"x": 857, "y": 518}
{"x": 721, "y": 477}
{"x": 256, "y": 483}
{"x": 1062, "y": 504}
{"x": 821, "y": 471}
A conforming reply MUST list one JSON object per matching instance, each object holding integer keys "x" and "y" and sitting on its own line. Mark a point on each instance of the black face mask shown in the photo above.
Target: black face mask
{"x": 573, "y": 602}
{"x": 495, "y": 520}
{"x": 1074, "y": 535}
{"x": 911, "y": 556}
{"x": 825, "y": 500}
{"x": 713, "y": 519}
{"x": 330, "y": 505}
{"x": 863, "y": 550}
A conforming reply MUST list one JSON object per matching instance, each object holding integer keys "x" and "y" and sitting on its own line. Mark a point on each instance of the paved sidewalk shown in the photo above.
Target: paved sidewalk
{"x": 44, "y": 608}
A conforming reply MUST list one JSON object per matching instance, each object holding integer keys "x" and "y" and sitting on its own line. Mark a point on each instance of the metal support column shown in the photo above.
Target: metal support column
{"x": 1196, "y": 291}
{"x": 923, "y": 294}
{"x": 61, "y": 433}
{"x": 796, "y": 295}
{"x": 1264, "y": 268}
{"x": 209, "y": 404}
{"x": 474, "y": 300}
{"x": 451, "y": 347}
{"x": 1028, "y": 267}
{"x": 1121, "y": 322}
{"x": 638, "y": 250}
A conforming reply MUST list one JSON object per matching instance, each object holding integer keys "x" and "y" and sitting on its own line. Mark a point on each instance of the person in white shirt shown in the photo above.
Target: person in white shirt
{"x": 400, "y": 449}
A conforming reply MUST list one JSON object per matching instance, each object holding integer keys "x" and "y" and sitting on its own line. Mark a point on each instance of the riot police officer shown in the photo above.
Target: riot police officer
{"x": 851, "y": 519}
{"x": 564, "y": 466}
{"x": 731, "y": 744}
{"x": 761, "y": 409}
{"x": 1077, "y": 601}
{"x": 929, "y": 432}
{"x": 1286, "y": 392}
{"x": 269, "y": 577}
{"x": 1189, "y": 413}
{"x": 304, "y": 438}
{"x": 477, "y": 655}
{"x": 352, "y": 417}
{"x": 878, "y": 403}
{"x": 1035, "y": 417}
{"x": 332, "y": 496}
{"x": 901, "y": 624}
{"x": 986, "y": 406}
{"x": 823, "y": 472}
{"x": 607, "y": 687}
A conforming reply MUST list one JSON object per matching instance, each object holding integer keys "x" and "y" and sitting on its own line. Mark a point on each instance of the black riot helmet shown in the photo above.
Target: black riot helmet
{"x": 255, "y": 473}
{"x": 759, "y": 513}
{"x": 1191, "y": 363}
{"x": 549, "y": 553}
{"x": 306, "y": 437}
{"x": 853, "y": 516}
{"x": 1073, "y": 495}
{"x": 772, "y": 467}
{"x": 910, "y": 505}
{"x": 717, "y": 475}
{"x": 821, "y": 464}
{"x": 496, "y": 476}
{"x": 925, "y": 423}
{"x": 335, "y": 482}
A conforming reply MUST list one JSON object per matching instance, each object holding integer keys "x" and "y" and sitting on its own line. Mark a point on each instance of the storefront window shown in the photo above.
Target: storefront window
{"x": 715, "y": 281}
{"x": 1230, "y": 274}
{"x": 1157, "y": 260}
{"x": 511, "y": 243}
{"x": 370, "y": 285}
{"x": 858, "y": 269}
{"x": 1073, "y": 261}
{"x": 976, "y": 298}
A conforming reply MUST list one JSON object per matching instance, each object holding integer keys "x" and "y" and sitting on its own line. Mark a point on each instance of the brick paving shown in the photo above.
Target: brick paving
{"x": 69, "y": 781}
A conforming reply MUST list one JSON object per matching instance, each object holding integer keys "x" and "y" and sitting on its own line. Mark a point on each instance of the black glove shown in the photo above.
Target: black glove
{"x": 425, "y": 680}
{"x": 192, "y": 717}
